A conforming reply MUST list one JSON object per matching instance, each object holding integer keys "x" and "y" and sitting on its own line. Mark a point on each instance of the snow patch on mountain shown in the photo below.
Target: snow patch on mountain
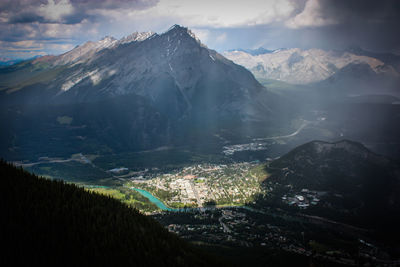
{"x": 78, "y": 78}
{"x": 85, "y": 52}
{"x": 95, "y": 76}
{"x": 135, "y": 37}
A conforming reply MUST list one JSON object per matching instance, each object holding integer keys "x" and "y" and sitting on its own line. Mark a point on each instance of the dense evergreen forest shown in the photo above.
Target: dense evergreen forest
{"x": 50, "y": 222}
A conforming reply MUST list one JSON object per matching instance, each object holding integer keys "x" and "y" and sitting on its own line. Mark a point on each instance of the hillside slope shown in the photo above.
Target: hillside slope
{"x": 52, "y": 223}
{"x": 343, "y": 181}
{"x": 142, "y": 92}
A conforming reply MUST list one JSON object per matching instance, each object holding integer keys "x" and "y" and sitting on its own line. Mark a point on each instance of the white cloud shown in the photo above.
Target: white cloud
{"x": 55, "y": 11}
{"x": 60, "y": 47}
{"x": 202, "y": 34}
{"x": 57, "y": 31}
{"x": 311, "y": 16}
{"x": 21, "y": 45}
{"x": 222, "y": 13}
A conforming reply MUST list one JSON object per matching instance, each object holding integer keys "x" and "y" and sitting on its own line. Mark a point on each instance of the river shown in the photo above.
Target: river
{"x": 163, "y": 207}
{"x": 154, "y": 200}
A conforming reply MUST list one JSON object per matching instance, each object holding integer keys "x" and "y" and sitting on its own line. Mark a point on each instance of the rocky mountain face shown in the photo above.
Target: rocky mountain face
{"x": 360, "y": 79}
{"x": 170, "y": 78}
{"x": 297, "y": 66}
{"x": 351, "y": 182}
{"x": 173, "y": 70}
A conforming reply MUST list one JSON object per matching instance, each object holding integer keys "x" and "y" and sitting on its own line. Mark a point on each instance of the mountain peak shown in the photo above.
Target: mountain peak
{"x": 316, "y": 152}
{"x": 108, "y": 38}
{"x": 355, "y": 50}
{"x": 349, "y": 146}
{"x": 107, "y": 41}
{"x": 177, "y": 27}
{"x": 180, "y": 30}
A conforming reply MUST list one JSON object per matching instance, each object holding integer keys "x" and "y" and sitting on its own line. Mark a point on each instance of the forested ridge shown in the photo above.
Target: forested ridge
{"x": 50, "y": 222}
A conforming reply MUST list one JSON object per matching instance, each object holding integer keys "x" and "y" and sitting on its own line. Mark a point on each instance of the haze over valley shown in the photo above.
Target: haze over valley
{"x": 269, "y": 138}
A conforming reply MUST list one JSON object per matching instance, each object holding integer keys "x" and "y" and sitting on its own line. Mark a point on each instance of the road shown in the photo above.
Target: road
{"x": 199, "y": 204}
{"x": 226, "y": 228}
{"x": 78, "y": 158}
{"x": 302, "y": 126}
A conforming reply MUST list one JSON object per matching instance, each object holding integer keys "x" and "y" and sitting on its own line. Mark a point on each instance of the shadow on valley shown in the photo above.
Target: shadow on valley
{"x": 336, "y": 194}
{"x": 53, "y": 223}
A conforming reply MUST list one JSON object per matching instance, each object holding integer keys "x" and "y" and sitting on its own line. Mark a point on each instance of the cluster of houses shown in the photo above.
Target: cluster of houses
{"x": 303, "y": 199}
{"x": 198, "y": 184}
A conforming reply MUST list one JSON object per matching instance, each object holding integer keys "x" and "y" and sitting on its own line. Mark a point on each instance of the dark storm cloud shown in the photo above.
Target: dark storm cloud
{"x": 114, "y": 4}
{"x": 31, "y": 17}
{"x": 367, "y": 23}
{"x": 39, "y": 23}
{"x": 371, "y": 10}
{"x": 23, "y": 11}
{"x": 222, "y": 24}
{"x": 326, "y": 24}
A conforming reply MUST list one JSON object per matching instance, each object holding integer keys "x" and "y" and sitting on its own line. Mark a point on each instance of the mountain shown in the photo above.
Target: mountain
{"x": 143, "y": 91}
{"x": 5, "y": 62}
{"x": 361, "y": 79}
{"x": 253, "y": 52}
{"x": 297, "y": 66}
{"x": 173, "y": 70}
{"x": 388, "y": 58}
{"x": 52, "y": 223}
{"x": 9, "y": 61}
{"x": 343, "y": 181}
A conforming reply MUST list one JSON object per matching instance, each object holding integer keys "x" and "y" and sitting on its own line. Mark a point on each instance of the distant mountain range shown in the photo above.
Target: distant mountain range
{"x": 253, "y": 52}
{"x": 9, "y": 61}
{"x": 315, "y": 66}
{"x": 143, "y": 91}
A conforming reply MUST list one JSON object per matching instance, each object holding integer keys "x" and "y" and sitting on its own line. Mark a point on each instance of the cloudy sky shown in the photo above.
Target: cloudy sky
{"x": 39, "y": 27}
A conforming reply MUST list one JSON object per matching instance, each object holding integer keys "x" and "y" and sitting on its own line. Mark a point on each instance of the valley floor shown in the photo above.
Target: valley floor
{"x": 204, "y": 184}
